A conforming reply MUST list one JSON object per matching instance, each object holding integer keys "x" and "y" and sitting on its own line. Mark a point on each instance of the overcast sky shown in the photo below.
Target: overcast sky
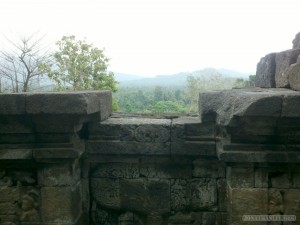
{"x": 151, "y": 37}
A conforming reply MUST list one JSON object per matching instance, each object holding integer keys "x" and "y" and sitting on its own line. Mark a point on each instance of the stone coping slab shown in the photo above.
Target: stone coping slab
{"x": 78, "y": 103}
{"x": 223, "y": 106}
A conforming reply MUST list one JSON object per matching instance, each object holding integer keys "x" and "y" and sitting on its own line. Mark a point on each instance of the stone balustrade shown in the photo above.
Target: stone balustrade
{"x": 65, "y": 159}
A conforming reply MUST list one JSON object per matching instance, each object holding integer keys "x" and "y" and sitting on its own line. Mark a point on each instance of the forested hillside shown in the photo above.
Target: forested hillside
{"x": 181, "y": 98}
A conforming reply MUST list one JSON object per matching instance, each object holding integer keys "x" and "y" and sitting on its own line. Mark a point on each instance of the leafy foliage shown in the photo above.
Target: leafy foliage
{"x": 80, "y": 66}
{"x": 160, "y": 99}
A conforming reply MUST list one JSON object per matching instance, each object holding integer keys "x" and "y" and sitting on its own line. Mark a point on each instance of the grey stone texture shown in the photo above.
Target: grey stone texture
{"x": 283, "y": 61}
{"x": 257, "y": 125}
{"x": 296, "y": 41}
{"x": 82, "y": 103}
{"x": 73, "y": 164}
{"x": 151, "y": 136}
{"x": 293, "y": 74}
{"x": 265, "y": 72}
{"x": 280, "y": 69}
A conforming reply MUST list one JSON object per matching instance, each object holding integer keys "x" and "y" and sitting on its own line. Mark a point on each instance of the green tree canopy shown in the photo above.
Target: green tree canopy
{"x": 80, "y": 66}
{"x": 168, "y": 106}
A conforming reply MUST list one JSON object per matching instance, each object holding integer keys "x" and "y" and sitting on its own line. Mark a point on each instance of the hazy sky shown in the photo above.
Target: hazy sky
{"x": 151, "y": 37}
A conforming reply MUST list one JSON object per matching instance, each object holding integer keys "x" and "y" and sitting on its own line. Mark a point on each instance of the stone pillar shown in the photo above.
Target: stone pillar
{"x": 42, "y": 140}
{"x": 257, "y": 134}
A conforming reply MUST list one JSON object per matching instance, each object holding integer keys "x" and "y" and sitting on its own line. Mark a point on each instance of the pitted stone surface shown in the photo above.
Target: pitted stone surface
{"x": 223, "y": 106}
{"x": 241, "y": 158}
{"x": 66, "y": 103}
{"x": 296, "y": 41}
{"x": 265, "y": 72}
{"x": 283, "y": 62}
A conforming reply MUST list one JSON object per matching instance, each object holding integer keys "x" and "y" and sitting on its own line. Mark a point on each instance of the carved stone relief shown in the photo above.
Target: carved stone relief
{"x": 30, "y": 206}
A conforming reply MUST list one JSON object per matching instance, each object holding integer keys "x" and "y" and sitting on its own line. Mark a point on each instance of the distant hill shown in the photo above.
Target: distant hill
{"x": 126, "y": 77}
{"x": 179, "y": 79}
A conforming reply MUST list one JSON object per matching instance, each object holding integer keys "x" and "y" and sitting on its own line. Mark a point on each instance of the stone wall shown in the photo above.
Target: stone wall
{"x": 155, "y": 171}
{"x": 280, "y": 70}
{"x": 41, "y": 144}
{"x": 65, "y": 159}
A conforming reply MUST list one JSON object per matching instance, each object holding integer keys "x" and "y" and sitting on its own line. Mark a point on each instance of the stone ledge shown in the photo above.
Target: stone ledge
{"x": 15, "y": 154}
{"x": 259, "y": 157}
{"x": 223, "y": 106}
{"x": 127, "y": 148}
{"x": 77, "y": 103}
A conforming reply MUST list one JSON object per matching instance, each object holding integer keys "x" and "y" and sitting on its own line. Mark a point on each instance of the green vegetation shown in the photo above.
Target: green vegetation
{"x": 157, "y": 99}
{"x": 79, "y": 66}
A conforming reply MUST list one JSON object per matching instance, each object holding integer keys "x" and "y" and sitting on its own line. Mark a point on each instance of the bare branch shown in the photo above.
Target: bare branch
{"x": 20, "y": 63}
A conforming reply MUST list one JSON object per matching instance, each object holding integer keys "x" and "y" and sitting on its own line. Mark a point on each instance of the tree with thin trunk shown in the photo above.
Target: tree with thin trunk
{"x": 19, "y": 63}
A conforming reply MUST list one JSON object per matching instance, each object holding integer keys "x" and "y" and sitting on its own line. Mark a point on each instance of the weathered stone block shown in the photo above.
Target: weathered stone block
{"x": 128, "y": 218}
{"x": 17, "y": 138}
{"x": 224, "y": 106}
{"x": 180, "y": 195}
{"x": 265, "y": 72}
{"x": 55, "y": 153}
{"x": 52, "y": 138}
{"x": 191, "y": 128}
{"x": 256, "y": 126}
{"x": 30, "y": 206}
{"x": 203, "y": 194}
{"x": 9, "y": 208}
{"x": 116, "y": 170}
{"x": 240, "y": 177}
{"x": 78, "y": 103}
{"x": 57, "y": 123}
{"x": 9, "y": 194}
{"x": 145, "y": 195}
{"x": 67, "y": 174}
{"x": 86, "y": 201}
{"x": 261, "y": 178}
{"x": 127, "y": 148}
{"x": 105, "y": 131}
{"x": 154, "y": 219}
{"x": 283, "y": 61}
{"x": 106, "y": 192}
{"x": 15, "y": 153}
{"x": 296, "y": 41}
{"x": 194, "y": 194}
{"x": 12, "y": 104}
{"x": 105, "y": 98}
{"x": 291, "y": 105}
{"x": 180, "y": 219}
{"x": 212, "y": 218}
{"x": 280, "y": 180}
{"x": 275, "y": 202}
{"x": 249, "y": 201}
{"x": 61, "y": 205}
{"x": 291, "y": 201}
{"x": 150, "y": 133}
{"x": 196, "y": 148}
{"x": 8, "y": 219}
{"x": 293, "y": 74}
{"x": 222, "y": 194}
{"x": 166, "y": 170}
{"x": 208, "y": 168}
{"x": 10, "y": 124}
{"x": 296, "y": 180}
